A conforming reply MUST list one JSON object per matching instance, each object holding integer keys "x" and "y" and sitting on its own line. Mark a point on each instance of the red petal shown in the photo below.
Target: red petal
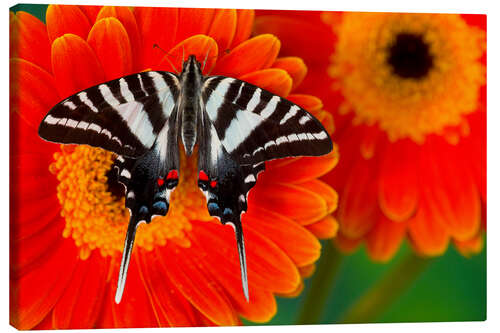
{"x": 110, "y": 42}
{"x": 385, "y": 238}
{"x": 91, "y": 12}
{"x": 66, "y": 19}
{"x": 275, "y": 80}
{"x": 223, "y": 27}
{"x": 156, "y": 26}
{"x": 80, "y": 304}
{"x": 294, "y": 66}
{"x": 345, "y": 244}
{"x": 29, "y": 41}
{"x": 398, "y": 192}
{"x": 325, "y": 191}
{"x": 308, "y": 102}
{"x": 193, "y": 21}
{"x": 35, "y": 293}
{"x": 245, "y": 18}
{"x": 325, "y": 228}
{"x": 75, "y": 65}
{"x": 258, "y": 53}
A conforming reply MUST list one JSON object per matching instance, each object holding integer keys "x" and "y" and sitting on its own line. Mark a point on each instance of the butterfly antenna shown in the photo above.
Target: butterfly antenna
{"x": 206, "y": 57}
{"x": 127, "y": 251}
{"x": 168, "y": 55}
{"x": 238, "y": 230}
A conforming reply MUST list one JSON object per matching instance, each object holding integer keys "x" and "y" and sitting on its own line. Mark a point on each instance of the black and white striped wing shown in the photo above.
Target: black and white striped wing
{"x": 255, "y": 125}
{"x": 123, "y": 116}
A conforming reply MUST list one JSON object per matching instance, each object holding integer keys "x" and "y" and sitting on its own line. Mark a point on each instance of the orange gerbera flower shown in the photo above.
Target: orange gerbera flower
{"x": 68, "y": 222}
{"x": 411, "y": 123}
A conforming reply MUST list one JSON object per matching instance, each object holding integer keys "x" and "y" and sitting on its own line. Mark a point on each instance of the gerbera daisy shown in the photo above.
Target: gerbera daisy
{"x": 67, "y": 213}
{"x": 409, "y": 94}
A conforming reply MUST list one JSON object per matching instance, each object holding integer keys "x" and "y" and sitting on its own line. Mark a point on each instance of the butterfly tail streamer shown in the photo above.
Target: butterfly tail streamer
{"x": 127, "y": 251}
{"x": 238, "y": 230}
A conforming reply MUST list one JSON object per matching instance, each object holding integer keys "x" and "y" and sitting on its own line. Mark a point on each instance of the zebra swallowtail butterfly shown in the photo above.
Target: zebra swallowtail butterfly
{"x": 142, "y": 117}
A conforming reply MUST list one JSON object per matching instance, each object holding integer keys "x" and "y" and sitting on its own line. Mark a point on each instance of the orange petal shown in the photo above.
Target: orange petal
{"x": 245, "y": 18}
{"x": 32, "y": 91}
{"x": 127, "y": 19}
{"x": 35, "y": 293}
{"x": 156, "y": 26}
{"x": 29, "y": 41}
{"x": 300, "y": 245}
{"x": 471, "y": 246}
{"x": 345, "y": 244}
{"x": 325, "y": 228}
{"x": 454, "y": 198}
{"x": 223, "y": 27}
{"x": 294, "y": 66}
{"x": 397, "y": 191}
{"x": 292, "y": 201}
{"x": 300, "y": 169}
{"x": 75, "y": 65}
{"x": 257, "y": 53}
{"x": 295, "y": 292}
{"x": 91, "y": 12}
{"x": 371, "y": 135}
{"x": 429, "y": 237}
{"x": 308, "y": 102}
{"x": 194, "y": 21}
{"x": 110, "y": 42}
{"x": 307, "y": 271}
{"x": 66, "y": 19}
{"x": 385, "y": 238}
{"x": 358, "y": 200}
{"x": 201, "y": 46}
{"x": 325, "y": 191}
{"x": 80, "y": 304}
{"x": 274, "y": 80}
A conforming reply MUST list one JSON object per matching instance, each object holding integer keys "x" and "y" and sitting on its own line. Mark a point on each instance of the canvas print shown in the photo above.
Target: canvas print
{"x": 216, "y": 167}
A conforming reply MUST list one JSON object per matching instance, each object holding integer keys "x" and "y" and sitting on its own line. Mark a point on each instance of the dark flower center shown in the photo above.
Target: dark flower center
{"x": 409, "y": 56}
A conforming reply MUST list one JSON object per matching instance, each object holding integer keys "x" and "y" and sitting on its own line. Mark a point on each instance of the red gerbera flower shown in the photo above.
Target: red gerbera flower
{"x": 67, "y": 223}
{"x": 409, "y": 95}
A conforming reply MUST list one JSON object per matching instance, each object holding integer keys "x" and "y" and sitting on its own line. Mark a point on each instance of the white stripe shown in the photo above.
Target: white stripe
{"x": 215, "y": 145}
{"x": 120, "y": 158}
{"x": 95, "y": 127}
{"x": 71, "y": 123}
{"x": 138, "y": 122}
{"x": 240, "y": 128}
{"x": 293, "y": 137}
{"x": 158, "y": 81}
{"x": 304, "y": 120}
{"x": 292, "y": 112}
{"x": 85, "y": 100}
{"x": 126, "y": 93}
{"x": 51, "y": 120}
{"x": 117, "y": 140}
{"x": 62, "y": 121}
{"x": 216, "y": 98}
{"x": 125, "y": 173}
{"x": 108, "y": 95}
{"x": 107, "y": 133}
{"x": 131, "y": 194}
{"x": 281, "y": 139}
{"x": 270, "y": 107}
{"x": 310, "y": 136}
{"x": 83, "y": 125}
{"x": 321, "y": 135}
{"x": 250, "y": 178}
{"x": 70, "y": 104}
{"x": 269, "y": 144}
{"x": 142, "y": 84}
{"x": 302, "y": 136}
{"x": 254, "y": 101}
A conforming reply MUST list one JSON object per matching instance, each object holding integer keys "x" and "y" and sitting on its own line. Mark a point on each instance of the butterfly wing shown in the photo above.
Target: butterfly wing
{"x": 135, "y": 117}
{"x": 123, "y": 116}
{"x": 244, "y": 126}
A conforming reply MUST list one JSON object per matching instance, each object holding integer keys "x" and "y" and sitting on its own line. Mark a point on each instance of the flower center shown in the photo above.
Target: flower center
{"x": 410, "y": 74}
{"x": 409, "y": 56}
{"x": 93, "y": 204}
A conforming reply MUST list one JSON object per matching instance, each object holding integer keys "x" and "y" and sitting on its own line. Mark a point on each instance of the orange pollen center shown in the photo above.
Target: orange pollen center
{"x": 96, "y": 219}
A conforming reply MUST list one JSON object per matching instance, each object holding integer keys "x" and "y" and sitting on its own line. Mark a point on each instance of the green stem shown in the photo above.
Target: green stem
{"x": 386, "y": 291}
{"x": 321, "y": 285}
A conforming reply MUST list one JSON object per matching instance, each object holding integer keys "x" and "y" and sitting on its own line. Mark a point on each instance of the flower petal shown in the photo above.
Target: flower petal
{"x": 111, "y": 45}
{"x": 325, "y": 191}
{"x": 201, "y": 46}
{"x": 80, "y": 304}
{"x": 75, "y": 65}
{"x": 34, "y": 294}
{"x": 127, "y": 19}
{"x": 345, "y": 244}
{"x": 300, "y": 245}
{"x": 66, "y": 19}
{"x": 245, "y": 18}
{"x": 324, "y": 228}
{"x": 294, "y": 66}
{"x": 29, "y": 41}
{"x": 358, "y": 200}
{"x": 164, "y": 22}
{"x": 292, "y": 201}
{"x": 32, "y": 91}
{"x": 471, "y": 246}
{"x": 223, "y": 27}
{"x": 91, "y": 12}
{"x": 429, "y": 237}
{"x": 194, "y": 21}
{"x": 258, "y": 52}
{"x": 274, "y": 80}
{"x": 385, "y": 238}
{"x": 397, "y": 188}
{"x": 308, "y": 102}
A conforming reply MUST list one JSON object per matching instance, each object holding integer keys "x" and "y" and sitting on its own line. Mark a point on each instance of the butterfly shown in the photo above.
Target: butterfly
{"x": 144, "y": 118}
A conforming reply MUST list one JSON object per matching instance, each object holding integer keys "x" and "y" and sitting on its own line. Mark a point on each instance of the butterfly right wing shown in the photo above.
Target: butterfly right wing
{"x": 124, "y": 115}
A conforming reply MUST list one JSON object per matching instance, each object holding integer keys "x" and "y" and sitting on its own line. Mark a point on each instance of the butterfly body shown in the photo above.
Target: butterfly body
{"x": 144, "y": 118}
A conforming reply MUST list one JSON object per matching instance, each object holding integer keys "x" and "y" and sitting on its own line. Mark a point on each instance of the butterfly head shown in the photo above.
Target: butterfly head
{"x": 191, "y": 66}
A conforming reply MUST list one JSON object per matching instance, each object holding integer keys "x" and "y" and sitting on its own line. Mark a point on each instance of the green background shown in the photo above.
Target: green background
{"x": 452, "y": 288}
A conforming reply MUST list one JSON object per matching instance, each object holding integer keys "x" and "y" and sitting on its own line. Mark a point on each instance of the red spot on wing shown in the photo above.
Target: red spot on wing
{"x": 160, "y": 181}
{"x": 173, "y": 174}
{"x": 213, "y": 183}
{"x": 203, "y": 176}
